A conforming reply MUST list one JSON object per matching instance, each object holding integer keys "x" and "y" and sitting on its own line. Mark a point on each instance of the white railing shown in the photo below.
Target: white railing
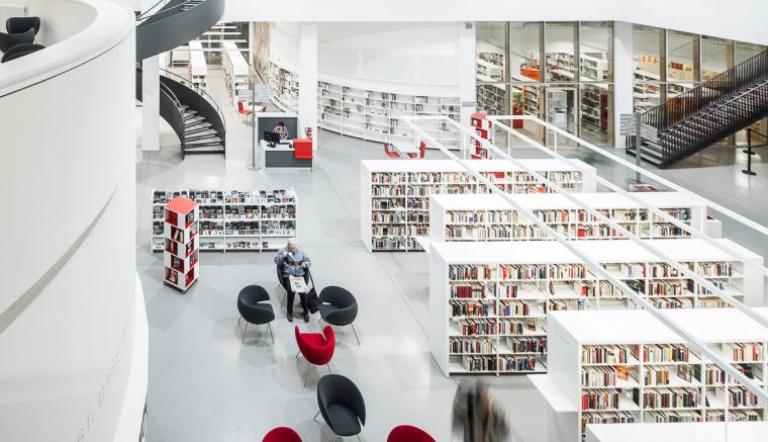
{"x": 574, "y": 247}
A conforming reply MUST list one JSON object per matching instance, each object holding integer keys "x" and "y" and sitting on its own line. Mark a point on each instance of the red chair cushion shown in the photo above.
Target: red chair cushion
{"x": 315, "y": 347}
{"x": 302, "y": 149}
{"x": 409, "y": 433}
{"x": 282, "y": 434}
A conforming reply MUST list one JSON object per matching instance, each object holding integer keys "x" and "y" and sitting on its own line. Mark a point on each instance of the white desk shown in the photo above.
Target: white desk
{"x": 406, "y": 148}
{"x": 281, "y": 158}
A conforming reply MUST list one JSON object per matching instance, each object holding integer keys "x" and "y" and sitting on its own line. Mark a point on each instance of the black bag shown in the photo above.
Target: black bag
{"x": 313, "y": 302}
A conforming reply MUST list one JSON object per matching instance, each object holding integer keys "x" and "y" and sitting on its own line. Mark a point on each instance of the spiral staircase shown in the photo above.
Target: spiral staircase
{"x": 192, "y": 114}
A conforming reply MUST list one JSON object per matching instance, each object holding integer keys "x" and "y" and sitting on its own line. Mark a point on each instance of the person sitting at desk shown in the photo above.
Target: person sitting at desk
{"x": 293, "y": 262}
{"x": 281, "y": 130}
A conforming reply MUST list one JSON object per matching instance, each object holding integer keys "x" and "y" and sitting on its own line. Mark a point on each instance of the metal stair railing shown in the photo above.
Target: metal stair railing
{"x": 695, "y": 100}
{"x": 179, "y": 79}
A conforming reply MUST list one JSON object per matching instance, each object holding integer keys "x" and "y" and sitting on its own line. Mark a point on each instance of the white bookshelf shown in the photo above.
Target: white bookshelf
{"x": 676, "y": 432}
{"x": 491, "y": 218}
{"x": 284, "y": 84}
{"x": 198, "y": 68}
{"x": 599, "y": 345}
{"x": 395, "y": 193}
{"x": 376, "y": 114}
{"x": 236, "y": 71}
{"x": 520, "y": 283}
{"x": 258, "y": 220}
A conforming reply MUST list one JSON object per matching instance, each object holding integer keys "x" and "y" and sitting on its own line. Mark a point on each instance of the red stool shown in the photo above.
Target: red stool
{"x": 409, "y": 433}
{"x": 422, "y": 152}
{"x": 281, "y": 434}
{"x": 317, "y": 348}
{"x": 391, "y": 153}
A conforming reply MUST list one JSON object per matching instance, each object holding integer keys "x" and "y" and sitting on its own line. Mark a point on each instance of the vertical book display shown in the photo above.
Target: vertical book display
{"x": 489, "y": 301}
{"x": 257, "y": 220}
{"x": 182, "y": 243}
{"x": 629, "y": 367}
{"x": 483, "y": 129}
{"x": 395, "y": 194}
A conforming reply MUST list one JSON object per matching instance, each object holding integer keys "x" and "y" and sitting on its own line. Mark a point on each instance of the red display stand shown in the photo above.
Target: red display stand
{"x": 182, "y": 243}
{"x": 483, "y": 128}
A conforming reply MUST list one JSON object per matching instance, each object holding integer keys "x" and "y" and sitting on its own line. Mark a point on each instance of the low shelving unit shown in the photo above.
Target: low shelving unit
{"x": 489, "y": 301}
{"x": 257, "y": 220}
{"x": 395, "y": 193}
{"x": 181, "y": 243}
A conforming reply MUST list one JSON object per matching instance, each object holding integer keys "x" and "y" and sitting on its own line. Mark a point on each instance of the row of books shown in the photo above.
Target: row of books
{"x": 481, "y": 216}
{"x": 487, "y": 327}
{"x": 604, "y": 355}
{"x": 600, "y": 400}
{"x": 668, "y": 398}
{"x": 662, "y": 353}
{"x": 227, "y": 197}
{"x": 603, "y": 376}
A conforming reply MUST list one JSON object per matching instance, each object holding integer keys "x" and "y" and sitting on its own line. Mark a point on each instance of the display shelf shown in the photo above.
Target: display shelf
{"x": 181, "y": 243}
{"x": 681, "y": 391}
{"x": 676, "y": 432}
{"x": 259, "y": 220}
{"x": 484, "y": 130}
{"x": 284, "y": 84}
{"x": 198, "y": 69}
{"x": 492, "y": 297}
{"x": 376, "y": 115}
{"x": 395, "y": 194}
{"x": 236, "y": 71}
{"x": 491, "y": 217}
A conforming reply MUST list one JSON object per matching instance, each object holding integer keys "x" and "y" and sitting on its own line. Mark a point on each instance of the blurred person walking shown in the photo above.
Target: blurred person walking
{"x": 476, "y": 416}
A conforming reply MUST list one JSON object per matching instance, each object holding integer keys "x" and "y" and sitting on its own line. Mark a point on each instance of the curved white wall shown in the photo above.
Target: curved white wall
{"x": 67, "y": 184}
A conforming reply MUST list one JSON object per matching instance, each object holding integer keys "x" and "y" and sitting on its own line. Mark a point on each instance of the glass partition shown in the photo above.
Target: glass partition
{"x": 595, "y": 51}
{"x": 560, "y": 51}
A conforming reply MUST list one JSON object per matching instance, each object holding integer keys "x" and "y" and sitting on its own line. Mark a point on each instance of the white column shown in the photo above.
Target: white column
{"x": 623, "y": 75}
{"x": 150, "y": 101}
{"x": 467, "y": 87}
{"x": 308, "y": 80}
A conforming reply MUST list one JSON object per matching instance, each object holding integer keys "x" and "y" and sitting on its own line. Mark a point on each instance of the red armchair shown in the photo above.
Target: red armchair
{"x": 317, "y": 348}
{"x": 391, "y": 153}
{"x": 409, "y": 433}
{"x": 422, "y": 152}
{"x": 281, "y": 434}
{"x": 302, "y": 149}
{"x": 242, "y": 110}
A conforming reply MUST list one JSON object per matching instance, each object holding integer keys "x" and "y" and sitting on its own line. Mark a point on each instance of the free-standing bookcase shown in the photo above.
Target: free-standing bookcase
{"x": 256, "y": 220}
{"x": 182, "y": 243}
{"x": 492, "y": 218}
{"x": 489, "y": 301}
{"x": 483, "y": 129}
{"x": 394, "y": 198}
{"x": 628, "y": 367}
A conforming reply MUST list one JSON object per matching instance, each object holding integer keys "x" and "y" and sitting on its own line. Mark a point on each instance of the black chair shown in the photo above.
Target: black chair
{"x": 20, "y": 50}
{"x": 338, "y": 307}
{"x": 252, "y": 308}
{"x": 341, "y": 405}
{"x": 7, "y": 41}
{"x": 16, "y": 25}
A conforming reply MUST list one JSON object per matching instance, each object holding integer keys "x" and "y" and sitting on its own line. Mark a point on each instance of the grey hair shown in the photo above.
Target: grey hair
{"x": 292, "y": 241}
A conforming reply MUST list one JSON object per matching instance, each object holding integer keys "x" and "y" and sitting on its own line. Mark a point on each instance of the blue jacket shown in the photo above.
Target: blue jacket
{"x": 288, "y": 269}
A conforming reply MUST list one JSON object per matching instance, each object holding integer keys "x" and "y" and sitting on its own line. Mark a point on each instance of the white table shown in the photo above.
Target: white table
{"x": 406, "y": 148}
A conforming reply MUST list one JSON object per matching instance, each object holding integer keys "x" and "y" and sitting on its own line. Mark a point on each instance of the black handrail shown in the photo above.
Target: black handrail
{"x": 175, "y": 9}
{"x": 679, "y": 120}
{"x": 141, "y": 16}
{"x": 199, "y": 90}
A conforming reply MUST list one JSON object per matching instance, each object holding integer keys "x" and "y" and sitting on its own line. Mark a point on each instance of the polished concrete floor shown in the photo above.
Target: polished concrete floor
{"x": 205, "y": 385}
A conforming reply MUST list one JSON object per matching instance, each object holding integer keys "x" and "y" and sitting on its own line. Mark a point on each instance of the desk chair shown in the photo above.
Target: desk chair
{"x": 390, "y": 152}
{"x": 16, "y": 25}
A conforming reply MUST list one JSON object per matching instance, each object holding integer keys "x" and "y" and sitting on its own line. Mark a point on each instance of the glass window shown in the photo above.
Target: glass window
{"x": 681, "y": 51}
{"x": 714, "y": 56}
{"x": 597, "y": 113}
{"x": 491, "y": 99}
{"x": 744, "y": 51}
{"x": 491, "y": 38}
{"x": 647, "y": 67}
{"x": 559, "y": 47}
{"x": 524, "y": 51}
{"x": 595, "y": 51}
{"x": 527, "y": 100}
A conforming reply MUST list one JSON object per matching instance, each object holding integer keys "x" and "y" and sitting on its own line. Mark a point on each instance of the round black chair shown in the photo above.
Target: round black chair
{"x": 20, "y": 50}
{"x": 253, "y": 309}
{"x": 7, "y": 41}
{"x": 341, "y": 405}
{"x": 15, "y": 25}
{"x": 338, "y": 307}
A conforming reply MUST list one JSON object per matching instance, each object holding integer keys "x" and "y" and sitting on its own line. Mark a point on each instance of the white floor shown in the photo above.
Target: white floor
{"x": 207, "y": 386}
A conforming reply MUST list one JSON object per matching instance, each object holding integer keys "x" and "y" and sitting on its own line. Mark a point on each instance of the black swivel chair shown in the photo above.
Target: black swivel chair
{"x": 7, "y": 41}
{"x": 15, "y": 25}
{"x": 341, "y": 405}
{"x": 252, "y": 308}
{"x": 338, "y": 307}
{"x": 20, "y": 50}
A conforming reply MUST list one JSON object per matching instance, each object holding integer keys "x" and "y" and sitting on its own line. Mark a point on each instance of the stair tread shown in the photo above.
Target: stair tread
{"x": 203, "y": 134}
{"x": 209, "y": 139}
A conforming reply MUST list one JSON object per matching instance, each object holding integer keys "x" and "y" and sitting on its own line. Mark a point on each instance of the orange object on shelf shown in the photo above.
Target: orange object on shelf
{"x": 533, "y": 73}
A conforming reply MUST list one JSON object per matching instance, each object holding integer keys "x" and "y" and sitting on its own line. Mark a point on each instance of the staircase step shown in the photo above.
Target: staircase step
{"x": 200, "y": 134}
{"x": 205, "y": 140}
{"x": 195, "y": 119}
{"x": 197, "y": 126}
{"x": 189, "y": 113}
